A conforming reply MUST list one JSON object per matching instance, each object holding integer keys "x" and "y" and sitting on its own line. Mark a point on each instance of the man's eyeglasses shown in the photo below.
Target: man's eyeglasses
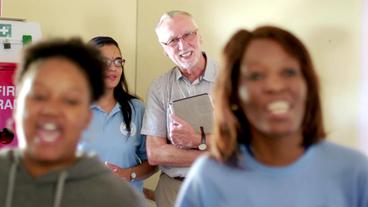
{"x": 187, "y": 37}
{"x": 118, "y": 62}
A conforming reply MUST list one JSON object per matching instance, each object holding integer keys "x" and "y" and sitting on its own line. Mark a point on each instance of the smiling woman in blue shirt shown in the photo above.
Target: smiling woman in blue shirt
{"x": 114, "y": 132}
{"x": 269, "y": 146}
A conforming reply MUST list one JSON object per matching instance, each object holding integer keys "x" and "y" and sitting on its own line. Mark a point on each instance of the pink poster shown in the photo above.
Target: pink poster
{"x": 7, "y": 105}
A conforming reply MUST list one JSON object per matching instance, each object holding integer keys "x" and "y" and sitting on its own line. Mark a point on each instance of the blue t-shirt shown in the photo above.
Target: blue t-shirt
{"x": 327, "y": 175}
{"x": 108, "y": 138}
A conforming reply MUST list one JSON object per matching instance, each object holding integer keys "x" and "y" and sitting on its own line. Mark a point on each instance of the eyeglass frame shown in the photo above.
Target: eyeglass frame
{"x": 108, "y": 62}
{"x": 173, "y": 42}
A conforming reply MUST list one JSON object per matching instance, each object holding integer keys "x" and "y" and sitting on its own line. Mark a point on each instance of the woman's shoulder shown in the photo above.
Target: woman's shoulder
{"x": 340, "y": 154}
{"x": 4, "y": 158}
{"x": 336, "y": 149}
{"x": 7, "y": 154}
{"x": 90, "y": 172}
{"x": 207, "y": 163}
{"x": 137, "y": 104}
{"x": 7, "y": 157}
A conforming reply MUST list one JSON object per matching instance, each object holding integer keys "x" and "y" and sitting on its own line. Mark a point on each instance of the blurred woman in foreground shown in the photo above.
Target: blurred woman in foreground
{"x": 269, "y": 147}
{"x": 56, "y": 84}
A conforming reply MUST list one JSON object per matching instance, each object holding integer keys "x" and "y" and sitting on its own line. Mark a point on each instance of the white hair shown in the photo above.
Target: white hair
{"x": 170, "y": 15}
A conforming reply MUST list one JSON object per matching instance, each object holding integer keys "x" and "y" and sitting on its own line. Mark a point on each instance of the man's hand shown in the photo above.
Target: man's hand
{"x": 182, "y": 134}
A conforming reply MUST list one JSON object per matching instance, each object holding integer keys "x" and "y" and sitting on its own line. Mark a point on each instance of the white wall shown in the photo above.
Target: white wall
{"x": 84, "y": 18}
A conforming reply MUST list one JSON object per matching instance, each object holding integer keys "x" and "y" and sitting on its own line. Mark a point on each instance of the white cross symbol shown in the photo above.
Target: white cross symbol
{"x": 4, "y": 30}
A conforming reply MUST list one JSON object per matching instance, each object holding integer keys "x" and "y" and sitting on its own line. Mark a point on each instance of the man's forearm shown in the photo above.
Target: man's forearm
{"x": 172, "y": 156}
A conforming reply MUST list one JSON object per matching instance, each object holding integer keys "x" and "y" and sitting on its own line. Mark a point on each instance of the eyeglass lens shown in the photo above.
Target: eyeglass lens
{"x": 118, "y": 62}
{"x": 186, "y": 37}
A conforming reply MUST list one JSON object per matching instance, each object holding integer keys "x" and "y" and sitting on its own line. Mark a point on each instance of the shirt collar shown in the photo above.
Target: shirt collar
{"x": 116, "y": 108}
{"x": 209, "y": 72}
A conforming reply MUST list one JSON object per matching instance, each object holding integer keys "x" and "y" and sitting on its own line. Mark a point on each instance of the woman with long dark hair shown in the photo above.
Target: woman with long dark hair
{"x": 114, "y": 133}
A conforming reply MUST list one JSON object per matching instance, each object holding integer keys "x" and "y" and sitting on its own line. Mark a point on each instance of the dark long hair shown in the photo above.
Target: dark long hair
{"x": 231, "y": 125}
{"x": 121, "y": 91}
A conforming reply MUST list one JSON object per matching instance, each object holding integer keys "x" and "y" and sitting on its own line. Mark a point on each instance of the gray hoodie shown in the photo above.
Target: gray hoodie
{"x": 87, "y": 183}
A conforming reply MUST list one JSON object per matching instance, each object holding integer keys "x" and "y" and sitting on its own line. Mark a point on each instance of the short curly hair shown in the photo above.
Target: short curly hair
{"x": 85, "y": 56}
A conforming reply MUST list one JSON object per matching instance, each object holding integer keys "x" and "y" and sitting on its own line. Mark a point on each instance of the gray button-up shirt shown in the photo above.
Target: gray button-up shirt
{"x": 163, "y": 91}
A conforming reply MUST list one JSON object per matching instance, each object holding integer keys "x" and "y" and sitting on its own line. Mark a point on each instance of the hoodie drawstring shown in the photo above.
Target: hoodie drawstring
{"x": 60, "y": 188}
{"x": 12, "y": 175}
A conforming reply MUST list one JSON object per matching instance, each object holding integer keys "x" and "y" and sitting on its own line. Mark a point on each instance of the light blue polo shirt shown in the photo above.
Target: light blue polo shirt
{"x": 107, "y": 137}
{"x": 327, "y": 175}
